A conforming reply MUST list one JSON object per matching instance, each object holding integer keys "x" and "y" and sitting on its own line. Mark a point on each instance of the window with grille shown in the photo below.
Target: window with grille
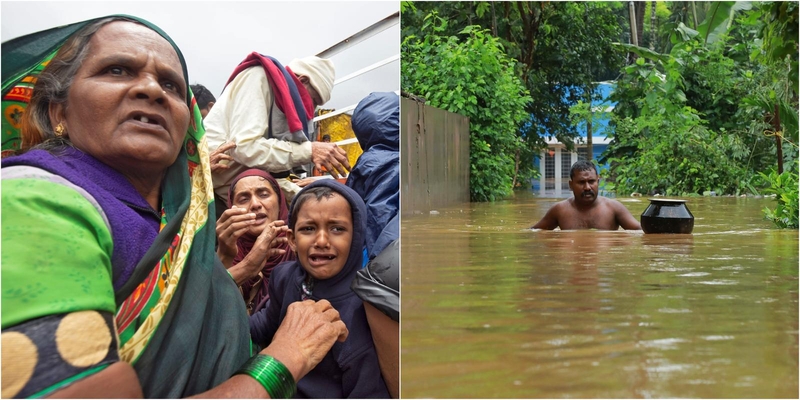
{"x": 582, "y": 153}
{"x": 549, "y": 170}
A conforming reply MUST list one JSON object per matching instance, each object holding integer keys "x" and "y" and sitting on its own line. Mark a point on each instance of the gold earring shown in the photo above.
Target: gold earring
{"x": 59, "y": 130}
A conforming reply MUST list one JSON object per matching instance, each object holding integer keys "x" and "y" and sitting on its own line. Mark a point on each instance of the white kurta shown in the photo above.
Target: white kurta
{"x": 241, "y": 115}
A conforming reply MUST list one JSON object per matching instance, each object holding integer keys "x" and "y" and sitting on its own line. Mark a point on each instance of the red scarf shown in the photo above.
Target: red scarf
{"x": 246, "y": 241}
{"x": 281, "y": 89}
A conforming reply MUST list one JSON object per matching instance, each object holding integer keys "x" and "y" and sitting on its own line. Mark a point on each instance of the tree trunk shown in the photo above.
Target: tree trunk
{"x": 530, "y": 19}
{"x": 588, "y": 97}
{"x": 516, "y": 170}
{"x": 589, "y": 149}
{"x": 776, "y": 125}
{"x": 632, "y": 15}
{"x": 653, "y": 25}
{"x": 634, "y": 35}
{"x": 640, "y": 7}
{"x": 494, "y": 20}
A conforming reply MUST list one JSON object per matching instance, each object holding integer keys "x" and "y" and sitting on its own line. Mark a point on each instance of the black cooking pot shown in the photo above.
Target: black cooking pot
{"x": 667, "y": 216}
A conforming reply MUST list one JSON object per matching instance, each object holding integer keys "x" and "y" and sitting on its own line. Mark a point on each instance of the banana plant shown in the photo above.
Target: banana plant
{"x": 718, "y": 21}
{"x": 719, "y": 18}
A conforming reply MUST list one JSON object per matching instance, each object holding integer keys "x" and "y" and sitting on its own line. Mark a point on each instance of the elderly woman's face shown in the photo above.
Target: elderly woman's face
{"x": 127, "y": 106}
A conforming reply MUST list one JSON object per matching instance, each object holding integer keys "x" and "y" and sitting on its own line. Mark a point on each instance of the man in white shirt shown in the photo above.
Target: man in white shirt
{"x": 248, "y": 115}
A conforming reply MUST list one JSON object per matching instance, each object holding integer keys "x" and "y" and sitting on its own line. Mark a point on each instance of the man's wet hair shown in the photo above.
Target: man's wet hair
{"x": 582, "y": 165}
{"x": 202, "y": 95}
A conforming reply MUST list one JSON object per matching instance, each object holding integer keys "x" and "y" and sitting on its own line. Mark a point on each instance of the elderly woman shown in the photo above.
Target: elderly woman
{"x": 109, "y": 280}
{"x": 256, "y": 214}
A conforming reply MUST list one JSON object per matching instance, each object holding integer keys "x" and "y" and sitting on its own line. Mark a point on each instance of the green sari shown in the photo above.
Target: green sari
{"x": 191, "y": 332}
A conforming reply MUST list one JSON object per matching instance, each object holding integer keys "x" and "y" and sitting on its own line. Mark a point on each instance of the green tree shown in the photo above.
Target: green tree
{"x": 723, "y": 99}
{"x": 586, "y": 117}
{"x": 563, "y": 49}
{"x": 666, "y": 146}
{"x": 653, "y": 21}
{"x": 470, "y": 74}
{"x": 686, "y": 106}
{"x": 780, "y": 52}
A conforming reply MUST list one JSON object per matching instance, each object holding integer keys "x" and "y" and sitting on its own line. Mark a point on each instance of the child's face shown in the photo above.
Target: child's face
{"x": 322, "y": 235}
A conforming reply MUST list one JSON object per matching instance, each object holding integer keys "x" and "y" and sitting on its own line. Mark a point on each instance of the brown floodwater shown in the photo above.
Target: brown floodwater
{"x": 492, "y": 309}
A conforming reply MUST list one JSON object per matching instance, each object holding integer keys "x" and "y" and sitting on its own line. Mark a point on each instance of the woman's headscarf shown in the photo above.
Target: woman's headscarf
{"x": 174, "y": 351}
{"x": 246, "y": 241}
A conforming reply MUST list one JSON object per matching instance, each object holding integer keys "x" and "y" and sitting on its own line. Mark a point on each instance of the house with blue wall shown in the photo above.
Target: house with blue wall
{"x": 554, "y": 162}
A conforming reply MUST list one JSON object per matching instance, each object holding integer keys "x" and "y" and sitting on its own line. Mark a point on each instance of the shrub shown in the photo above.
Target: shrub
{"x": 471, "y": 75}
{"x": 785, "y": 187}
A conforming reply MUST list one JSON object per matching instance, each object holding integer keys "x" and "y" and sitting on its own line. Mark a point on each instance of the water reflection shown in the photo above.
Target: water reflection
{"x": 492, "y": 309}
{"x": 579, "y": 255}
{"x": 670, "y": 244}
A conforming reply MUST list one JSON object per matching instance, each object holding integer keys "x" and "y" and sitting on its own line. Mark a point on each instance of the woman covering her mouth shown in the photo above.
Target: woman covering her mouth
{"x": 252, "y": 234}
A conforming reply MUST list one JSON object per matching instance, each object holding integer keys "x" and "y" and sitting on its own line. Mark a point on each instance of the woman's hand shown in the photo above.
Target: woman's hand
{"x": 263, "y": 249}
{"x": 268, "y": 241}
{"x": 233, "y": 223}
{"x": 220, "y": 160}
{"x": 306, "y": 334}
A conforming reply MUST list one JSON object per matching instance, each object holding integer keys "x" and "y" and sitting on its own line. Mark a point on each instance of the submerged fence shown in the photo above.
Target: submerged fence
{"x": 434, "y": 158}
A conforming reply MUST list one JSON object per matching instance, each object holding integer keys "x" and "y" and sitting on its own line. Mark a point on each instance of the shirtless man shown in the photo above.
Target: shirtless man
{"x": 586, "y": 210}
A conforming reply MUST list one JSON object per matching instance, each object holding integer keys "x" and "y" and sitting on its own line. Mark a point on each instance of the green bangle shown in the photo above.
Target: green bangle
{"x": 271, "y": 374}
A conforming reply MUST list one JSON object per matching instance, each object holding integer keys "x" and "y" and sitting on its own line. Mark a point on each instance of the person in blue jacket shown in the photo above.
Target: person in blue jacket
{"x": 376, "y": 175}
{"x": 327, "y": 226}
{"x": 378, "y": 284}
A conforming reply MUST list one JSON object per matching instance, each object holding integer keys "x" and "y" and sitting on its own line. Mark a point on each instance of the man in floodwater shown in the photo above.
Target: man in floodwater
{"x": 586, "y": 210}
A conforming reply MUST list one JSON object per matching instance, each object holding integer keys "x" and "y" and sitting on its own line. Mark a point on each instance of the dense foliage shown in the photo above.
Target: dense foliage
{"x": 784, "y": 187}
{"x": 713, "y": 112}
{"x": 562, "y": 50}
{"x": 676, "y": 126}
{"x": 470, "y": 74}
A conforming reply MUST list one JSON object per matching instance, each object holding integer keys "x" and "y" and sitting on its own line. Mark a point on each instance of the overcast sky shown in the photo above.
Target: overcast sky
{"x": 215, "y": 36}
